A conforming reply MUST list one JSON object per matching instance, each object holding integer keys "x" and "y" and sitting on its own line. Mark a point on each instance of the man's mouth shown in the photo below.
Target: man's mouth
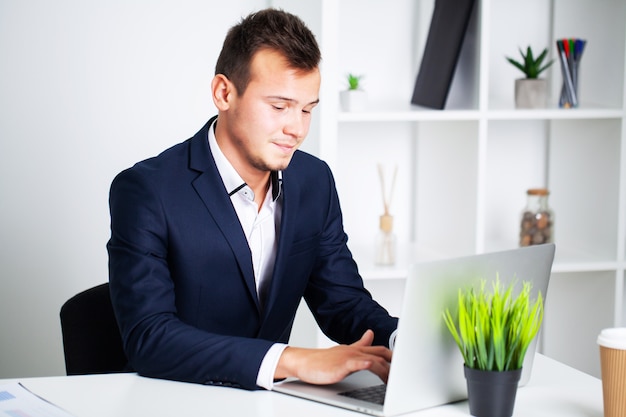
{"x": 284, "y": 147}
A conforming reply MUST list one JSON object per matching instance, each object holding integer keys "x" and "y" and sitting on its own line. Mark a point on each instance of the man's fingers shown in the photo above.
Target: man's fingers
{"x": 381, "y": 369}
{"x": 374, "y": 364}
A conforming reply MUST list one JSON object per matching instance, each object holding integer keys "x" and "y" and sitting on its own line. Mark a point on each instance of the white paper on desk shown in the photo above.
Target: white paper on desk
{"x": 17, "y": 401}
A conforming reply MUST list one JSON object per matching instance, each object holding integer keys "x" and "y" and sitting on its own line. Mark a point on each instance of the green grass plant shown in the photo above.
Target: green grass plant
{"x": 494, "y": 329}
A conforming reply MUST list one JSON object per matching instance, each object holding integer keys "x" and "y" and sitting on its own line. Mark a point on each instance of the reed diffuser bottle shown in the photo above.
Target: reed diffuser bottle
{"x": 385, "y": 250}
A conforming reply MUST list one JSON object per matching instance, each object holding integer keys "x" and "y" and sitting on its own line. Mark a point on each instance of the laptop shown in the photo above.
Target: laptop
{"x": 427, "y": 367}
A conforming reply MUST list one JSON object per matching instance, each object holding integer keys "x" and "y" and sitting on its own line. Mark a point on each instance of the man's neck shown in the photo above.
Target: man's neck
{"x": 257, "y": 180}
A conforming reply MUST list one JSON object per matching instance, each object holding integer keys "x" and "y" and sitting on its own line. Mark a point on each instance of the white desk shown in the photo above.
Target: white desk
{"x": 555, "y": 390}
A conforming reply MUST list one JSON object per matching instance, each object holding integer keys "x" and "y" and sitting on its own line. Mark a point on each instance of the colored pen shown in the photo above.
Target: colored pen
{"x": 567, "y": 76}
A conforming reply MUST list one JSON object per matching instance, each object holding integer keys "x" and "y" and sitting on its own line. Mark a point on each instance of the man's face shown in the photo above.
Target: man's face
{"x": 269, "y": 121}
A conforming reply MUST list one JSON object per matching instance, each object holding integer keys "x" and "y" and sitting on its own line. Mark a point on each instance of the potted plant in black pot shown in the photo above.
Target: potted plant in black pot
{"x": 531, "y": 91}
{"x": 493, "y": 330}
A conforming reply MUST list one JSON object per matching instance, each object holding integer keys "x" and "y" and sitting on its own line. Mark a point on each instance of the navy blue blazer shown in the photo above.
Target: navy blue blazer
{"x": 181, "y": 276}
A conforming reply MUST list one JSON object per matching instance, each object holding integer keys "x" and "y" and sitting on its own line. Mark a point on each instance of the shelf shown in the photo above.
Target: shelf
{"x": 565, "y": 262}
{"x": 584, "y": 112}
{"x": 607, "y": 266}
{"x": 409, "y": 113}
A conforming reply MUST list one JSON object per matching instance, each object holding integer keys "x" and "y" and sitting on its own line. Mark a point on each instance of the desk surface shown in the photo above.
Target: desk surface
{"x": 554, "y": 390}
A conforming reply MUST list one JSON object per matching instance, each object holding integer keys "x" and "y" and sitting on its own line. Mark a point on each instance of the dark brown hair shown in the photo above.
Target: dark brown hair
{"x": 272, "y": 29}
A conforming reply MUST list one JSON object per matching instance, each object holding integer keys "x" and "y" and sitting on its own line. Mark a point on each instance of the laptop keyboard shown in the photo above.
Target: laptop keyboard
{"x": 374, "y": 394}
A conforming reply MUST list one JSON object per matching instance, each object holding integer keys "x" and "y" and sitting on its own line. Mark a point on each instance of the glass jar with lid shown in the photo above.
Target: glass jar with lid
{"x": 537, "y": 220}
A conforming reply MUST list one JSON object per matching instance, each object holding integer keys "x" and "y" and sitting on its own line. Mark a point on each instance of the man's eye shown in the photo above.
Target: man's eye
{"x": 278, "y": 107}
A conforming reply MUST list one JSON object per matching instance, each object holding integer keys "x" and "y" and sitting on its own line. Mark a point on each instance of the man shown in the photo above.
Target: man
{"x": 215, "y": 241}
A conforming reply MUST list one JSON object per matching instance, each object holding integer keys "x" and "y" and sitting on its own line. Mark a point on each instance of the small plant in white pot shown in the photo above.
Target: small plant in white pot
{"x": 493, "y": 330}
{"x": 531, "y": 91}
{"x": 354, "y": 98}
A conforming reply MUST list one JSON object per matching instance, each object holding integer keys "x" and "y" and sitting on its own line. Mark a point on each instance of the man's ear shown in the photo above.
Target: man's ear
{"x": 223, "y": 92}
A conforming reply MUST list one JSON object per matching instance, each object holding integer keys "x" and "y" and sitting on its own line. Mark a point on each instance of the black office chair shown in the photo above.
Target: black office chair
{"x": 92, "y": 343}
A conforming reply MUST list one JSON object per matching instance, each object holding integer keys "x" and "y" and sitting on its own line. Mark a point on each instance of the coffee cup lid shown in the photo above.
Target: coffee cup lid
{"x": 614, "y": 338}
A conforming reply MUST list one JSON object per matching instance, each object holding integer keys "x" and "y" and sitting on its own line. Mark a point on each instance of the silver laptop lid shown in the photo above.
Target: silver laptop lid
{"x": 427, "y": 367}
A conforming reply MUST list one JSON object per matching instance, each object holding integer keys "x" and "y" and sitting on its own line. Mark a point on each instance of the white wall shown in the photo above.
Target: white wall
{"x": 87, "y": 88}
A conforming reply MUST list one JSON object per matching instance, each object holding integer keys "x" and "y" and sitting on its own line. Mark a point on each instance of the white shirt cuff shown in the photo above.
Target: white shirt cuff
{"x": 265, "y": 377}
{"x": 392, "y": 339}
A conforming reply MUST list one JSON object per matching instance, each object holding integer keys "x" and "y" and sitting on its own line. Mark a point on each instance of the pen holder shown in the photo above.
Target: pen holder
{"x": 570, "y": 53}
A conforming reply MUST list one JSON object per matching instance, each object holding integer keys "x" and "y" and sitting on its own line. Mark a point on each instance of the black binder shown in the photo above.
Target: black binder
{"x": 441, "y": 53}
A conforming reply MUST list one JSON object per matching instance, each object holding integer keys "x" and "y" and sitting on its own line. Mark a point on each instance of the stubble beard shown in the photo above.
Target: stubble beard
{"x": 262, "y": 165}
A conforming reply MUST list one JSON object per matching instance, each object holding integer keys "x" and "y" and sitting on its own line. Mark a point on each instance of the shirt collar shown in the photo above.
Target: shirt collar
{"x": 232, "y": 180}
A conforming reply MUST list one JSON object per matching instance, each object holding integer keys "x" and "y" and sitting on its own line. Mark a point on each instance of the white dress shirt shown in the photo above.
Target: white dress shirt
{"x": 261, "y": 228}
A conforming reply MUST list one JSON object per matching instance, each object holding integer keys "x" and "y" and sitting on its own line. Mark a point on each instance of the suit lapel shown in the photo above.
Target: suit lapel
{"x": 291, "y": 194}
{"x": 210, "y": 189}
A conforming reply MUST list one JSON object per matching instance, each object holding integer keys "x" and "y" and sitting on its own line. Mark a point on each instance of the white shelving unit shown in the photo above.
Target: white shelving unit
{"x": 463, "y": 171}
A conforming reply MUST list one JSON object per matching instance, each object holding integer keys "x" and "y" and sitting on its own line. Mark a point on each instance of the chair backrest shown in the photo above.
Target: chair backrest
{"x": 91, "y": 338}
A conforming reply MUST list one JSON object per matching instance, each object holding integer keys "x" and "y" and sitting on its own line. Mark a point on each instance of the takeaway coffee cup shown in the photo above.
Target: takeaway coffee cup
{"x": 612, "y": 344}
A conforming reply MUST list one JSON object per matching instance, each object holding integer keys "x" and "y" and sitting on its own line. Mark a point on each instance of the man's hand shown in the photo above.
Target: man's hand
{"x": 327, "y": 366}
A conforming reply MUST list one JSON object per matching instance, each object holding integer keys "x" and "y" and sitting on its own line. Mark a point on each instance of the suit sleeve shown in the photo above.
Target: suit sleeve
{"x": 343, "y": 308}
{"x": 156, "y": 341}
